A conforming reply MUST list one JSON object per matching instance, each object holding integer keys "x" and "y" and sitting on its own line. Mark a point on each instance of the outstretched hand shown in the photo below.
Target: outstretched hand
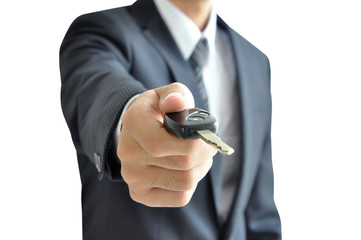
{"x": 160, "y": 169}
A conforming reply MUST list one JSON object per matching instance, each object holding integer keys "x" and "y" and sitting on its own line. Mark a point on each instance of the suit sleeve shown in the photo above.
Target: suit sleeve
{"x": 96, "y": 84}
{"x": 263, "y": 221}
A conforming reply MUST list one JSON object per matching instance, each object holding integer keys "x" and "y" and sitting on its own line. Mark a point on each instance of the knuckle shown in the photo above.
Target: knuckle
{"x": 185, "y": 180}
{"x": 135, "y": 196}
{"x": 168, "y": 162}
{"x": 184, "y": 163}
{"x": 183, "y": 198}
{"x": 145, "y": 198}
{"x": 122, "y": 151}
{"x": 125, "y": 151}
{"x": 129, "y": 176}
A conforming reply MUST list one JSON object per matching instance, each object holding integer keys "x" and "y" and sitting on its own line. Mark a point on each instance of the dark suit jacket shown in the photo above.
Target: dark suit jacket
{"x": 106, "y": 58}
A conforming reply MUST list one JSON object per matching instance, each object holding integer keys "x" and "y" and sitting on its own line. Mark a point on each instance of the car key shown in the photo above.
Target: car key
{"x": 195, "y": 123}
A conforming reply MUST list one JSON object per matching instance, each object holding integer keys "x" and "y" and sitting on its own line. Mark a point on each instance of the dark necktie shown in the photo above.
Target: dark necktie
{"x": 197, "y": 60}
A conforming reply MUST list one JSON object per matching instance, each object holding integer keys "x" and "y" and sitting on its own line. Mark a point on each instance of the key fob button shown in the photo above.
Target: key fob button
{"x": 203, "y": 114}
{"x": 197, "y": 116}
{"x": 195, "y": 119}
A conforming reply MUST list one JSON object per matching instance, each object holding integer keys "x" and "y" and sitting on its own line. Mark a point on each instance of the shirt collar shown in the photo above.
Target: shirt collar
{"x": 183, "y": 30}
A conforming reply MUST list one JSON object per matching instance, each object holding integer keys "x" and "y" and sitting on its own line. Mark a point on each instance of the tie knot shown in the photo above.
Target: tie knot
{"x": 199, "y": 56}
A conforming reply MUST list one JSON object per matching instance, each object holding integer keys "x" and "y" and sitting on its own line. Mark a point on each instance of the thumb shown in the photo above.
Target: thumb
{"x": 174, "y": 98}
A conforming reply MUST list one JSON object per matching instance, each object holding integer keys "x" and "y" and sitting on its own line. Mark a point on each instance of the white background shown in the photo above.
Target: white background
{"x": 315, "y": 51}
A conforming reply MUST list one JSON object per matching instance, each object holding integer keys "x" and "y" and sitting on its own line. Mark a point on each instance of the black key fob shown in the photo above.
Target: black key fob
{"x": 186, "y": 123}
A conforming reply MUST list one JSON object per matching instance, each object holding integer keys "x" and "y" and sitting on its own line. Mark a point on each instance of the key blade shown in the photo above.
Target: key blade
{"x": 215, "y": 141}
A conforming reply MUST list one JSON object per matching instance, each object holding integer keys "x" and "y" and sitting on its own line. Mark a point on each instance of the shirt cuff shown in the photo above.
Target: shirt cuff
{"x": 119, "y": 126}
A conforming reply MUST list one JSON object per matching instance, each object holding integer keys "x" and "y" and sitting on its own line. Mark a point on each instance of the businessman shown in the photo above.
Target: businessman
{"x": 122, "y": 70}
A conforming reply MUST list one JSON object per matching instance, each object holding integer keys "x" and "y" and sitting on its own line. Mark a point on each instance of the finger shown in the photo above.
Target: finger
{"x": 176, "y": 180}
{"x": 201, "y": 153}
{"x": 174, "y": 98}
{"x": 129, "y": 150}
{"x": 151, "y": 135}
{"x": 157, "y": 197}
{"x": 132, "y": 151}
{"x": 178, "y": 173}
{"x": 141, "y": 176}
{"x": 158, "y": 142}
